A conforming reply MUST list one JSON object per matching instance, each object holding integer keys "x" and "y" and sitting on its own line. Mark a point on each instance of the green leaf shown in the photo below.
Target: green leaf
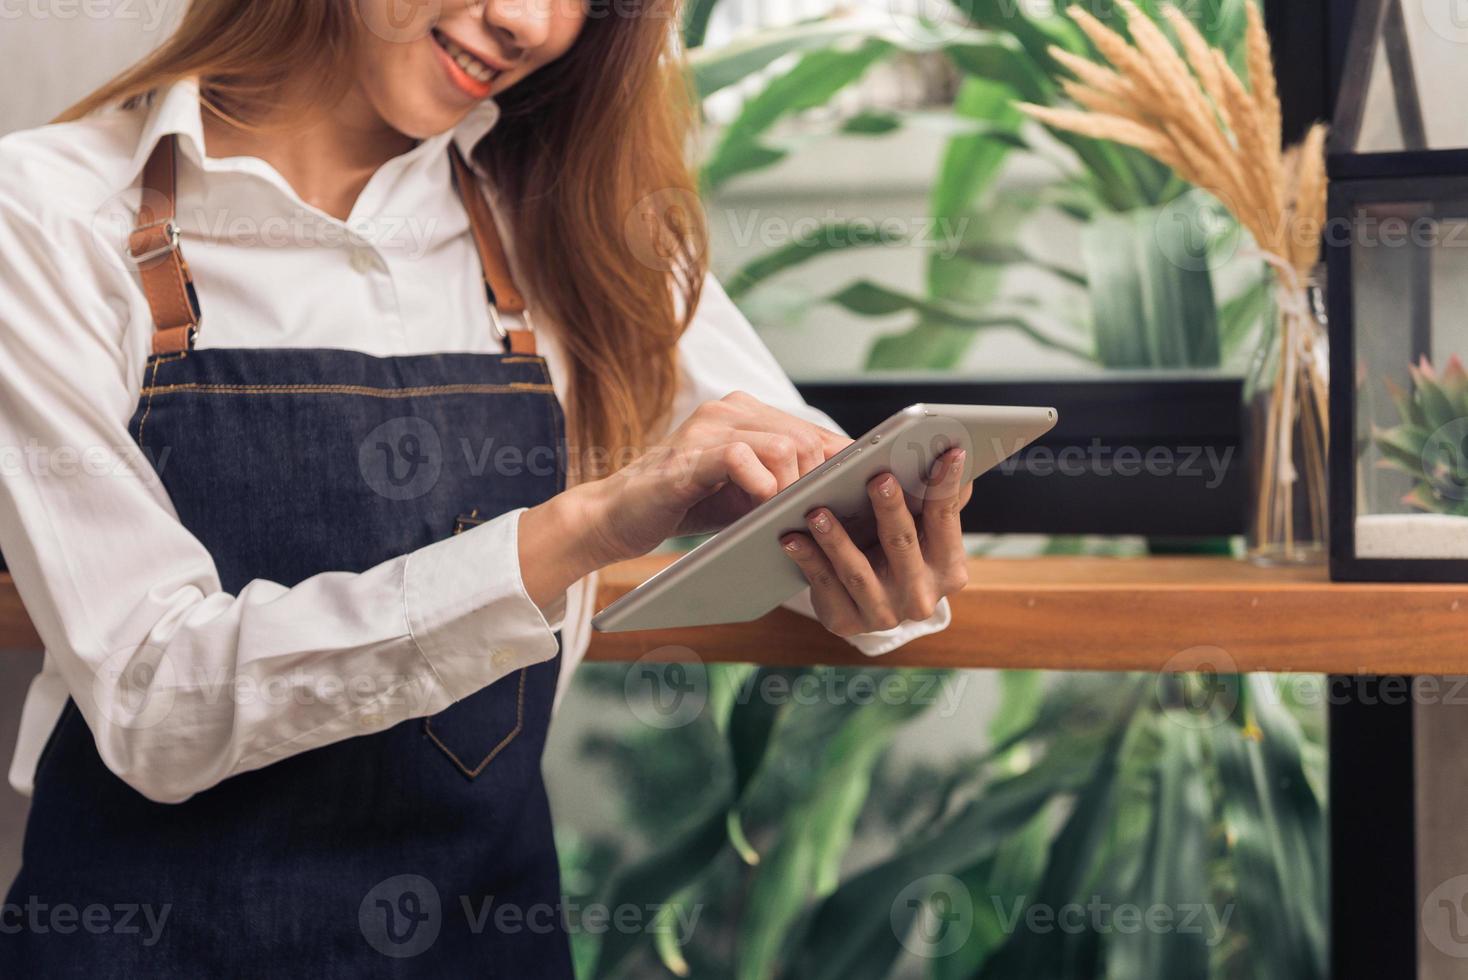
{"x": 816, "y": 831}
{"x": 814, "y": 79}
{"x": 1004, "y": 62}
{"x": 1073, "y": 855}
{"x": 696, "y": 21}
{"x": 839, "y": 236}
{"x": 1238, "y": 317}
{"x": 863, "y": 906}
{"x": 1015, "y": 255}
{"x": 869, "y": 299}
{"x": 1173, "y": 873}
{"x": 655, "y": 879}
{"x": 872, "y": 123}
{"x": 714, "y": 69}
{"x": 1276, "y": 827}
{"x": 1151, "y": 288}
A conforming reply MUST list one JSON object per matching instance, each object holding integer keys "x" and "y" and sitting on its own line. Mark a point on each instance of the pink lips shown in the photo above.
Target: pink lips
{"x": 462, "y": 80}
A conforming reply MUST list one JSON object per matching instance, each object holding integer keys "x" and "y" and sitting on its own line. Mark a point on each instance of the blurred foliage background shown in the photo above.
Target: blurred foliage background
{"x": 938, "y": 830}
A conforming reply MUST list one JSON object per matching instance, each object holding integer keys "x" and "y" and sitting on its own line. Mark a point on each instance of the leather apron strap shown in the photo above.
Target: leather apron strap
{"x": 155, "y": 249}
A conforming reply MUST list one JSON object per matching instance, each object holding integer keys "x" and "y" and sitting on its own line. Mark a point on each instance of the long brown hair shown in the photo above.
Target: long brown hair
{"x": 588, "y": 159}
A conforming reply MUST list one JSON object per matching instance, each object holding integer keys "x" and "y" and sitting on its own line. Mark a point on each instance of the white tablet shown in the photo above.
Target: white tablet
{"x": 741, "y": 572}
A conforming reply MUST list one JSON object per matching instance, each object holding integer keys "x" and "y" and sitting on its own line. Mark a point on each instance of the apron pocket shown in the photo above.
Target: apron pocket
{"x": 473, "y": 732}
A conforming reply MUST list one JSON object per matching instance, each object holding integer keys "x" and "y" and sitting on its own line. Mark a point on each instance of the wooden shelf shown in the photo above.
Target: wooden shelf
{"x": 1083, "y": 614}
{"x": 1147, "y": 614}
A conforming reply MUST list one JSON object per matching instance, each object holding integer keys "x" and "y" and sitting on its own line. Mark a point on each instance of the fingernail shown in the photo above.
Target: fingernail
{"x": 821, "y": 522}
{"x": 887, "y": 486}
{"x": 793, "y": 545}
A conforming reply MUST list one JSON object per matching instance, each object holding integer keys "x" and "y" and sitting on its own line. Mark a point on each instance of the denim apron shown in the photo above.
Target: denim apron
{"x": 422, "y": 850}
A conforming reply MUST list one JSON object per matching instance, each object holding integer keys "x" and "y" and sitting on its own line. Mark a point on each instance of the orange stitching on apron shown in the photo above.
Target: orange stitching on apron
{"x": 519, "y": 724}
{"x": 323, "y": 389}
{"x": 148, "y": 408}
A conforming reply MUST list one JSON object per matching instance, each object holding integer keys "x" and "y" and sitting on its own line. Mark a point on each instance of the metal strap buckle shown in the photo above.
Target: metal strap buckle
{"x": 500, "y": 330}
{"x": 170, "y": 230}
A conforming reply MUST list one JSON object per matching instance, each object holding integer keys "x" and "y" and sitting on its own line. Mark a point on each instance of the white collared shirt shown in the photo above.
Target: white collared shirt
{"x": 110, "y": 576}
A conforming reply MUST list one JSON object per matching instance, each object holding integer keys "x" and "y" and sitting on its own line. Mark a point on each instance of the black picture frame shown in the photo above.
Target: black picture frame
{"x": 1419, "y": 175}
{"x": 1190, "y": 425}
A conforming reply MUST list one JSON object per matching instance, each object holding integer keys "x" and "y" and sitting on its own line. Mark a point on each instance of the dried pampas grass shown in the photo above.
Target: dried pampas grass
{"x": 1194, "y": 114}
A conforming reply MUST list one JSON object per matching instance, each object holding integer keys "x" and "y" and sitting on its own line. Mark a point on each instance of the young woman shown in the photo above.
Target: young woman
{"x": 305, "y": 512}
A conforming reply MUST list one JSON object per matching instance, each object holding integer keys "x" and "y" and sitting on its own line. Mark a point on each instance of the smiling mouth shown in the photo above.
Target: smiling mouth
{"x": 467, "y": 62}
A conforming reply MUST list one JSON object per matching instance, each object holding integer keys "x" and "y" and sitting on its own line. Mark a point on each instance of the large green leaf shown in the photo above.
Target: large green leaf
{"x": 866, "y": 906}
{"x": 815, "y": 832}
{"x": 836, "y": 237}
{"x": 870, "y": 299}
{"x": 655, "y": 880}
{"x": 1152, "y": 288}
{"x": 1276, "y": 827}
{"x": 696, "y": 21}
{"x": 717, "y": 68}
{"x": 1051, "y": 952}
{"x": 813, "y": 80}
{"x": 1173, "y": 876}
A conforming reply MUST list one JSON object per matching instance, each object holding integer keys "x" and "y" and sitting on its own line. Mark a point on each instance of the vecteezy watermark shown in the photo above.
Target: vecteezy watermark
{"x": 402, "y": 458}
{"x": 1445, "y": 917}
{"x": 858, "y": 687}
{"x": 1448, "y": 19}
{"x": 141, "y": 919}
{"x": 934, "y": 916}
{"x": 399, "y": 21}
{"x": 409, "y": 236}
{"x": 667, "y": 688}
{"x": 151, "y": 13}
{"x": 1198, "y": 687}
{"x": 404, "y": 915}
{"x": 1207, "y": 463}
{"x": 70, "y": 461}
{"x": 1097, "y": 915}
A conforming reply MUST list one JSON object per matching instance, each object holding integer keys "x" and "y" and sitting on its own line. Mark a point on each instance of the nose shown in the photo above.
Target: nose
{"x": 520, "y": 25}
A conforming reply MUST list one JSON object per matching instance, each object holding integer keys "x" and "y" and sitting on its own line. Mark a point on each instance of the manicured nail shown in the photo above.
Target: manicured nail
{"x": 887, "y": 486}
{"x": 821, "y": 521}
{"x": 793, "y": 545}
{"x": 958, "y": 458}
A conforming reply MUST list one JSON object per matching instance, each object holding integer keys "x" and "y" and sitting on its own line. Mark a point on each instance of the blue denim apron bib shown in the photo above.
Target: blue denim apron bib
{"x": 422, "y": 850}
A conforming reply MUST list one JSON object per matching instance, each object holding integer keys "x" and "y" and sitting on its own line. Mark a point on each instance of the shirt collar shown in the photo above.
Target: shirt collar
{"x": 176, "y": 110}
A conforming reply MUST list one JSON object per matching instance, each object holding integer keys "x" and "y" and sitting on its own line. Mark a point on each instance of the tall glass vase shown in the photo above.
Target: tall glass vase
{"x": 1286, "y": 408}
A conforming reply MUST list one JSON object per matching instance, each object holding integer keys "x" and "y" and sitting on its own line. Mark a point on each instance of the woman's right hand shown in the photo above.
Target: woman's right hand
{"x": 727, "y": 458}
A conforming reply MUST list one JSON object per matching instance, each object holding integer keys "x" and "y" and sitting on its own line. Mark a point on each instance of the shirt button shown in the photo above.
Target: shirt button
{"x": 364, "y": 260}
{"x": 502, "y": 660}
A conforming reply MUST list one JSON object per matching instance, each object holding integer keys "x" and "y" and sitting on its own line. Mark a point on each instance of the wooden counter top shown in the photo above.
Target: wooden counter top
{"x": 1164, "y": 613}
{"x": 1063, "y": 613}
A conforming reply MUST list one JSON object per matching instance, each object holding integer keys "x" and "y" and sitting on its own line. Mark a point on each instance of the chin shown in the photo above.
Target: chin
{"x": 422, "y": 118}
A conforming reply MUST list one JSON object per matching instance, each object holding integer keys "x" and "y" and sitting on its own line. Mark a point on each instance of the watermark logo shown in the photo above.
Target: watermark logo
{"x": 1196, "y": 235}
{"x": 667, "y": 695}
{"x": 402, "y": 458}
{"x": 401, "y": 917}
{"x": 1445, "y": 917}
{"x": 1198, "y": 687}
{"x": 1445, "y": 460}
{"x": 933, "y": 916}
{"x": 399, "y": 21}
{"x": 134, "y": 687}
{"x": 659, "y": 221}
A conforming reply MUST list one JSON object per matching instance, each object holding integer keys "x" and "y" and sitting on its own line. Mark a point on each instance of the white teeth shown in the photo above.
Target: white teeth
{"x": 471, "y": 65}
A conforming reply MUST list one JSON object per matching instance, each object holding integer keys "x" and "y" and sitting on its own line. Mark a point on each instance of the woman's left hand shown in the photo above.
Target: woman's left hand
{"x": 916, "y": 563}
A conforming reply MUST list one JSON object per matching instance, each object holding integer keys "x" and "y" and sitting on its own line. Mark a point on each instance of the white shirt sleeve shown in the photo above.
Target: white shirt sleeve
{"x": 720, "y": 352}
{"x": 181, "y": 683}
